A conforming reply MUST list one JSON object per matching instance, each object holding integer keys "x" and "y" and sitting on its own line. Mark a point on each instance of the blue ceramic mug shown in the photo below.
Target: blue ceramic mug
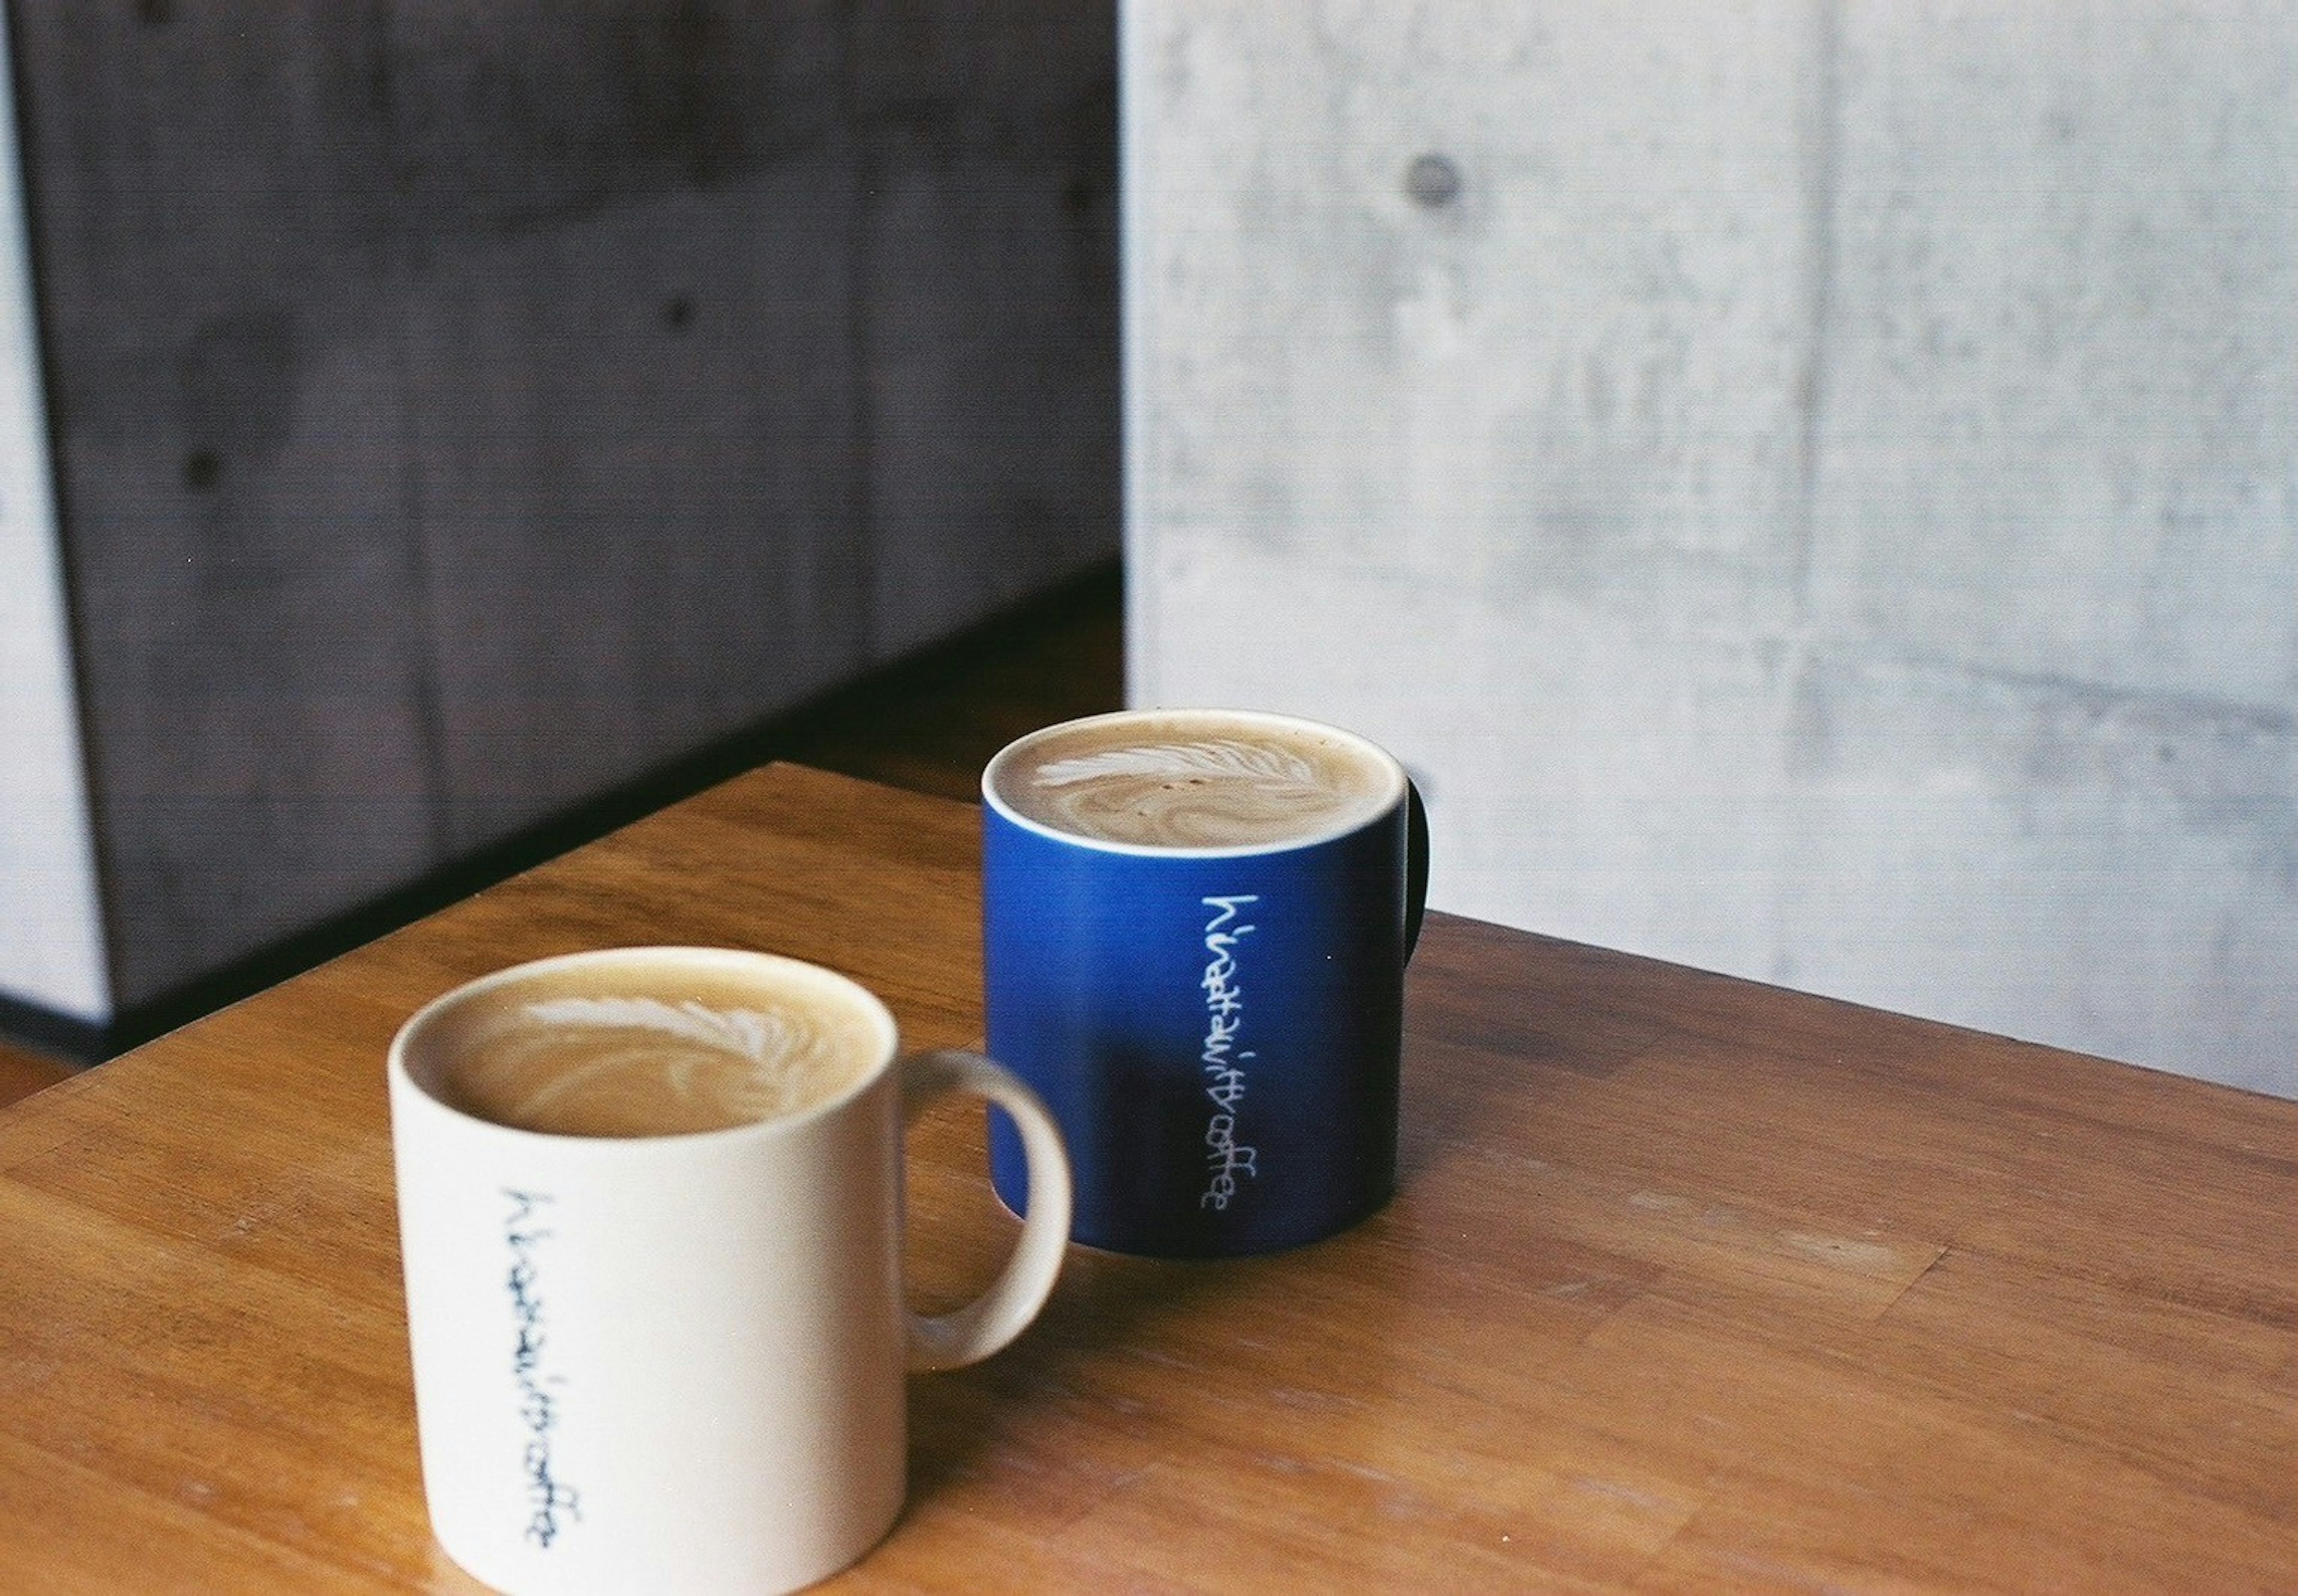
{"x": 1195, "y": 924}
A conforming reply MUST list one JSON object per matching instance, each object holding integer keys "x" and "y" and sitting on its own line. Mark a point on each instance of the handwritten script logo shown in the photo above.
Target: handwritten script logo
{"x": 1223, "y": 1060}
{"x": 547, "y": 1496}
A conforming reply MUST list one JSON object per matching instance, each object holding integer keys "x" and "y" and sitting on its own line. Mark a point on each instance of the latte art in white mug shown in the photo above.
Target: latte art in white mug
{"x": 1192, "y": 779}
{"x": 581, "y": 1063}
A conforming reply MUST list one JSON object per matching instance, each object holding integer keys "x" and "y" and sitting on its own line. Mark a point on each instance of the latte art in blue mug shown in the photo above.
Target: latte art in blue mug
{"x": 1195, "y": 928}
{"x": 1162, "y": 787}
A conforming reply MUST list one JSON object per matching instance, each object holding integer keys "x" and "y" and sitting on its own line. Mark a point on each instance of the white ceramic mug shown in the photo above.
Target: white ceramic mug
{"x": 675, "y": 1361}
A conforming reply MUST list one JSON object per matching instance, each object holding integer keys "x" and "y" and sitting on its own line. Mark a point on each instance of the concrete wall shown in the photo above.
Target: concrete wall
{"x": 1813, "y": 488}
{"x": 50, "y": 928}
{"x": 461, "y": 414}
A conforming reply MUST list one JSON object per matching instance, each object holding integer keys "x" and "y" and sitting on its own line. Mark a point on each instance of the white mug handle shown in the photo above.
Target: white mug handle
{"x": 970, "y": 1334}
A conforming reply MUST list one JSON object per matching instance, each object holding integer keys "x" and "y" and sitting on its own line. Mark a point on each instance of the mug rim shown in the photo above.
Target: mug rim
{"x": 409, "y": 1035}
{"x": 1398, "y": 783}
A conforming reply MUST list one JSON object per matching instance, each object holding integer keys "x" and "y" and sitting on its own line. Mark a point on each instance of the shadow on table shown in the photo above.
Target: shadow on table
{"x": 1496, "y": 1022}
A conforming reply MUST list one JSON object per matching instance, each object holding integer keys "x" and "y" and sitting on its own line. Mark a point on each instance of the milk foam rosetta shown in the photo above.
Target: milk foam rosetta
{"x": 639, "y": 1065}
{"x": 1194, "y": 782}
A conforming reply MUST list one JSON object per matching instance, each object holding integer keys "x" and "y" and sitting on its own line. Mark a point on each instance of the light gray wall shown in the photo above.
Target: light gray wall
{"x": 1819, "y": 502}
{"x": 51, "y": 926}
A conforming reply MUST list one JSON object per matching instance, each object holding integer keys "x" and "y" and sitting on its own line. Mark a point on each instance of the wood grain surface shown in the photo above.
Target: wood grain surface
{"x": 1691, "y": 1285}
{"x": 23, "y": 1072}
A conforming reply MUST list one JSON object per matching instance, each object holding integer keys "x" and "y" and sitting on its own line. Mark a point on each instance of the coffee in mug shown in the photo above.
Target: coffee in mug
{"x": 1195, "y": 924}
{"x": 1193, "y": 781}
{"x": 650, "y": 1214}
{"x": 613, "y": 1053}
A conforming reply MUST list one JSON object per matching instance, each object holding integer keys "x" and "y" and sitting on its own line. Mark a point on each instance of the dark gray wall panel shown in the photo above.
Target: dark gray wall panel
{"x": 461, "y": 409}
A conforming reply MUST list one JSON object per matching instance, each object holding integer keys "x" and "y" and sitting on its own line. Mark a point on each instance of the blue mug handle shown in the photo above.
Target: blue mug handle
{"x": 1416, "y": 865}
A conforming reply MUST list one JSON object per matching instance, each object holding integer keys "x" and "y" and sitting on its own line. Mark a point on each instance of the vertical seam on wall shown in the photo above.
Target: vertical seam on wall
{"x": 425, "y": 645}
{"x": 1821, "y": 169}
{"x": 430, "y": 713}
{"x": 861, "y": 329}
{"x": 1137, "y": 519}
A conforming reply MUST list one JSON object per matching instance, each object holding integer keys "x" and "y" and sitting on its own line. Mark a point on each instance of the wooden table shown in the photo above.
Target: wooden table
{"x": 1692, "y": 1284}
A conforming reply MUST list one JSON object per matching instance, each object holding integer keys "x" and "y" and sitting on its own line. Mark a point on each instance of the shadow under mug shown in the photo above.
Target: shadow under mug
{"x": 677, "y": 1362}
{"x": 1217, "y": 1030}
